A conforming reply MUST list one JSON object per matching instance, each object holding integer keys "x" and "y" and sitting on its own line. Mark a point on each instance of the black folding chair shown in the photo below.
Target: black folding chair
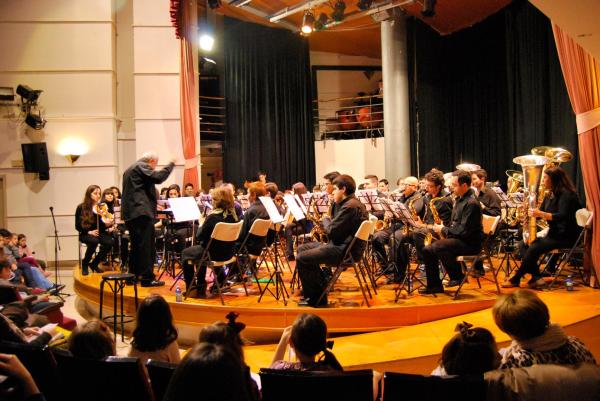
{"x": 160, "y": 375}
{"x": 407, "y": 387}
{"x": 289, "y": 385}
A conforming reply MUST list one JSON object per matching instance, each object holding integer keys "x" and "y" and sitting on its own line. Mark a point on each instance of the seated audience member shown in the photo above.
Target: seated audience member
{"x": 228, "y": 335}
{"x": 223, "y": 212}
{"x": 208, "y": 372}
{"x": 92, "y": 340}
{"x": 544, "y": 382}
{"x": 40, "y": 278}
{"x": 308, "y": 338}
{"x": 472, "y": 351}
{"x": 25, "y": 252}
{"x": 21, "y": 269}
{"x": 29, "y": 335}
{"x": 154, "y": 336}
{"x": 525, "y": 318}
{"x": 12, "y": 367}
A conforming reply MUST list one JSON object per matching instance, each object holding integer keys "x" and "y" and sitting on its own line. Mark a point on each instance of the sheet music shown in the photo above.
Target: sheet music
{"x": 184, "y": 209}
{"x": 302, "y": 203}
{"x": 369, "y": 198}
{"x": 406, "y": 215}
{"x": 293, "y": 207}
{"x": 274, "y": 214}
{"x": 322, "y": 202}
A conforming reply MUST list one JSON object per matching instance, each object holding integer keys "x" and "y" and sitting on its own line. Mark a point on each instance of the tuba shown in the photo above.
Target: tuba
{"x": 533, "y": 166}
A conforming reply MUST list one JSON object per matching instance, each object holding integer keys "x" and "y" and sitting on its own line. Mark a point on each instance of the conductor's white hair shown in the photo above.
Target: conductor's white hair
{"x": 150, "y": 155}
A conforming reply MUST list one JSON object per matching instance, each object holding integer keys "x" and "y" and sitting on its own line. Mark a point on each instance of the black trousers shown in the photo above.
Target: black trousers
{"x": 105, "y": 240}
{"x": 417, "y": 238}
{"x": 531, "y": 254}
{"x": 446, "y": 251}
{"x": 310, "y": 257}
{"x": 141, "y": 235}
{"x": 382, "y": 238}
{"x": 291, "y": 230}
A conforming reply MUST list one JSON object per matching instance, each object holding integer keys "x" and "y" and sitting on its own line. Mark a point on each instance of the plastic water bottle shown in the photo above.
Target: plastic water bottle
{"x": 569, "y": 282}
{"x": 410, "y": 284}
{"x": 178, "y": 296}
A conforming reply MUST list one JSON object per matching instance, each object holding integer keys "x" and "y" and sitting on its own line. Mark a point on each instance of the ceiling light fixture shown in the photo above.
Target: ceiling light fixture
{"x": 428, "y": 8}
{"x": 338, "y": 11}
{"x": 321, "y": 22}
{"x": 206, "y": 42}
{"x": 308, "y": 22}
{"x": 364, "y": 4}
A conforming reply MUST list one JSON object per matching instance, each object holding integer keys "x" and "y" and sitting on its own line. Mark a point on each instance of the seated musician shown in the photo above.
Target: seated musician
{"x": 558, "y": 209}
{"x": 93, "y": 230}
{"x": 176, "y": 232}
{"x": 189, "y": 190}
{"x": 349, "y": 214}
{"x": 489, "y": 202}
{"x": 256, "y": 210}
{"x": 463, "y": 237}
{"x": 294, "y": 227}
{"x": 436, "y": 194}
{"x": 371, "y": 181}
{"x": 328, "y": 188}
{"x": 236, "y": 205}
{"x": 381, "y": 238}
{"x": 120, "y": 238}
{"x": 383, "y": 187}
{"x": 222, "y": 212}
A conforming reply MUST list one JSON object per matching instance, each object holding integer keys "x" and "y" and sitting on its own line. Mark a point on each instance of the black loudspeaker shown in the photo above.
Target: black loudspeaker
{"x": 35, "y": 159}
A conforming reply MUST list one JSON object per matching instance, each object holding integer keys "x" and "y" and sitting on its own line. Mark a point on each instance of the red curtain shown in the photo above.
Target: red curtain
{"x": 183, "y": 19}
{"x": 582, "y": 76}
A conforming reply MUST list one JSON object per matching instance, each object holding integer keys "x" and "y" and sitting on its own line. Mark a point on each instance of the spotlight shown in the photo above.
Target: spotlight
{"x": 364, "y": 4}
{"x": 338, "y": 11}
{"x": 35, "y": 122}
{"x": 308, "y": 22}
{"x": 206, "y": 42}
{"x": 214, "y": 4}
{"x": 321, "y": 22}
{"x": 28, "y": 94}
{"x": 428, "y": 8}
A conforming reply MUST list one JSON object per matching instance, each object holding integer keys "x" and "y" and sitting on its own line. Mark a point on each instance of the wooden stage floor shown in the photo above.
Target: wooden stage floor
{"x": 265, "y": 321}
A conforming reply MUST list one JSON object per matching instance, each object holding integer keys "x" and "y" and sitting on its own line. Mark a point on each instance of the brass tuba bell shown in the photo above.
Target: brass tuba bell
{"x": 533, "y": 166}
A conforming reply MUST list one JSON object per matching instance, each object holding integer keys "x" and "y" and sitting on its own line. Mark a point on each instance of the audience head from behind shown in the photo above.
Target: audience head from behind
{"x": 256, "y": 189}
{"x": 225, "y": 334}
{"x": 309, "y": 339}
{"x": 92, "y": 340}
{"x": 472, "y": 351}
{"x": 522, "y": 315}
{"x": 272, "y": 189}
{"x": 214, "y": 370}
{"x": 154, "y": 325}
{"x": 5, "y": 269}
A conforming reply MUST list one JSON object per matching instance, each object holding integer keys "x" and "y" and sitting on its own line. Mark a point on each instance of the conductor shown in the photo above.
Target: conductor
{"x": 139, "y": 212}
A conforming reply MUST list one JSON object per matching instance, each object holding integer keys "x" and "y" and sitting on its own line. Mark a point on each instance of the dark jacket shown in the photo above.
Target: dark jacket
{"x": 563, "y": 206}
{"x": 466, "y": 220}
{"x": 254, "y": 244}
{"x": 418, "y": 202}
{"x": 349, "y": 214}
{"x": 218, "y": 250}
{"x": 443, "y": 207}
{"x": 82, "y": 228}
{"x": 490, "y": 200}
{"x": 139, "y": 192}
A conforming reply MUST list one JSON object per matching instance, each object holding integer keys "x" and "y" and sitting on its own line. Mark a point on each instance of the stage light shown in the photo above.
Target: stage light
{"x": 338, "y": 11}
{"x": 321, "y": 22}
{"x": 206, "y": 42}
{"x": 428, "y": 8}
{"x": 35, "y": 122}
{"x": 308, "y": 22}
{"x": 28, "y": 94}
{"x": 364, "y": 4}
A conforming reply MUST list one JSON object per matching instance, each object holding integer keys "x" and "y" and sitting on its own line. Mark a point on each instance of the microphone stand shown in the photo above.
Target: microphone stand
{"x": 58, "y": 293}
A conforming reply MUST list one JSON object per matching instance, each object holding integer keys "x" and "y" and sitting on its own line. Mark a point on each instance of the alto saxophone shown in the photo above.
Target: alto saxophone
{"x": 413, "y": 212}
{"x": 317, "y": 233}
{"x": 436, "y": 219}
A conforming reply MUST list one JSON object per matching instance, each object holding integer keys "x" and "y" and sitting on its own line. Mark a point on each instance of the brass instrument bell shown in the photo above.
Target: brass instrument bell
{"x": 468, "y": 167}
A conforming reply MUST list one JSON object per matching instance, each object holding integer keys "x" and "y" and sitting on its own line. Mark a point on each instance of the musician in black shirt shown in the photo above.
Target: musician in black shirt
{"x": 348, "y": 216}
{"x": 488, "y": 199}
{"x": 558, "y": 209}
{"x": 463, "y": 237}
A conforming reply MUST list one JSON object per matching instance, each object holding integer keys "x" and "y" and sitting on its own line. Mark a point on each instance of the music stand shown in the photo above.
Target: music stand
{"x": 183, "y": 210}
{"x": 407, "y": 218}
{"x": 276, "y": 277}
{"x": 508, "y": 239}
{"x": 295, "y": 210}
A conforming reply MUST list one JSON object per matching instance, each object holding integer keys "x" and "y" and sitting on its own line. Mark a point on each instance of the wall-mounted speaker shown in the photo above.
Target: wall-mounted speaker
{"x": 35, "y": 159}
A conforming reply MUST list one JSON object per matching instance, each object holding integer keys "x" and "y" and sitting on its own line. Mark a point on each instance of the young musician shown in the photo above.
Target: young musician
{"x": 558, "y": 209}
{"x": 294, "y": 227}
{"x": 256, "y": 211}
{"x": 190, "y": 190}
{"x": 139, "y": 213}
{"x": 340, "y": 229}
{"x": 463, "y": 237}
{"x": 488, "y": 199}
{"x": 93, "y": 230}
{"x": 222, "y": 212}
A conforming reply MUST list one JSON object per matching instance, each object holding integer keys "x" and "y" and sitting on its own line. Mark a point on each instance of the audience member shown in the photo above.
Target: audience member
{"x": 525, "y": 318}
{"x": 472, "y": 351}
{"x": 155, "y": 336}
{"x": 31, "y": 335}
{"x": 208, "y": 372}
{"x": 25, "y": 252}
{"x": 11, "y": 366}
{"x": 92, "y": 340}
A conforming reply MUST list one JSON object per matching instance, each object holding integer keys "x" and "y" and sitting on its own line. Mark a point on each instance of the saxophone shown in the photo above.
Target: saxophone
{"x": 436, "y": 219}
{"x": 413, "y": 212}
{"x": 317, "y": 233}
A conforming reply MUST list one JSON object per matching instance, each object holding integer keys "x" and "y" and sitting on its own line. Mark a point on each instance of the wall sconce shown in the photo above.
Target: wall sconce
{"x": 72, "y": 149}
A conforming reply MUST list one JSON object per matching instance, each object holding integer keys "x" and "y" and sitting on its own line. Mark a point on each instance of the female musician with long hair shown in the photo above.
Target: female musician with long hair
{"x": 558, "y": 209}
{"x": 93, "y": 229}
{"x": 110, "y": 196}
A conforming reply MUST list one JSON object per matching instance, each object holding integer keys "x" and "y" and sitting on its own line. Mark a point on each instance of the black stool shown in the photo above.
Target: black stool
{"x": 117, "y": 283}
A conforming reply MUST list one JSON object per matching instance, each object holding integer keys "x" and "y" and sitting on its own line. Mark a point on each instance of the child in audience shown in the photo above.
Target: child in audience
{"x": 25, "y": 252}
{"x": 308, "y": 337}
{"x": 208, "y": 372}
{"x": 525, "y": 318}
{"x": 92, "y": 340}
{"x": 472, "y": 351}
{"x": 155, "y": 336}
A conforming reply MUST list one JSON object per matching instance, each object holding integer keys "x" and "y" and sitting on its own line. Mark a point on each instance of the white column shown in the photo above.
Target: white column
{"x": 395, "y": 98}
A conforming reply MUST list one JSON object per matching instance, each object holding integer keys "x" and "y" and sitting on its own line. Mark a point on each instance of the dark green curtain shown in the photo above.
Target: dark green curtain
{"x": 489, "y": 93}
{"x": 268, "y": 105}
